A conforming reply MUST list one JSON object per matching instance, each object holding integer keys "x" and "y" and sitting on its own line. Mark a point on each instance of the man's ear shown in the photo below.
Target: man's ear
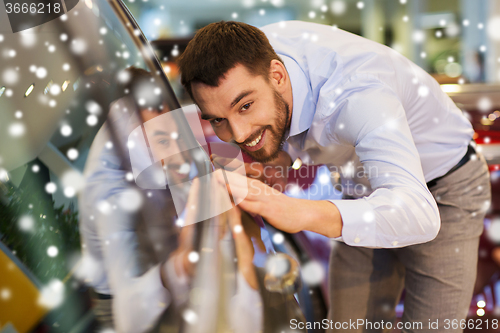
{"x": 278, "y": 75}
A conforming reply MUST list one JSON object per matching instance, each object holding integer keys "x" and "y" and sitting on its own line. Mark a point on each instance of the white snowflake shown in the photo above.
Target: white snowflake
{"x": 193, "y": 256}
{"x": 418, "y": 36}
{"x": 66, "y": 130}
{"x": 52, "y": 295}
{"x": 5, "y": 294}
{"x": 93, "y": 107}
{"x": 78, "y": 46}
{"x": 313, "y": 273}
{"x": 28, "y": 38}
{"x": 484, "y": 104}
{"x": 368, "y": 216}
{"x": 17, "y": 129}
{"x": 26, "y": 223}
{"x": 72, "y": 154}
{"x": 179, "y": 222}
{"x": 55, "y": 89}
{"x": 130, "y": 200}
{"x": 190, "y": 316}
{"x": 52, "y": 251}
{"x": 124, "y": 76}
{"x": 41, "y": 72}
{"x": 92, "y": 120}
{"x": 452, "y": 30}
{"x": 73, "y": 179}
{"x": 423, "y": 91}
{"x": 10, "y": 76}
{"x": 278, "y": 238}
{"x": 50, "y": 188}
{"x": 248, "y": 3}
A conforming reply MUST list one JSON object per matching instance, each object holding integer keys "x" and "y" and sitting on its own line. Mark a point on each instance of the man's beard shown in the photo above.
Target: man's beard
{"x": 275, "y": 137}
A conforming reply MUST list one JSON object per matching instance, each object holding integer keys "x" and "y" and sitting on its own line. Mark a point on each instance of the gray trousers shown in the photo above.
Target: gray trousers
{"x": 438, "y": 276}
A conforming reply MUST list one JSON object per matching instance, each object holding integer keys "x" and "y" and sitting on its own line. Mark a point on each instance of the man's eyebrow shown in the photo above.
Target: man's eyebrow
{"x": 157, "y": 133}
{"x": 205, "y": 116}
{"x": 240, "y": 97}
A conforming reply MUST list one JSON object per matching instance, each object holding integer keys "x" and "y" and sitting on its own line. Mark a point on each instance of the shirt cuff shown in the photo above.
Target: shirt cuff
{"x": 358, "y": 219}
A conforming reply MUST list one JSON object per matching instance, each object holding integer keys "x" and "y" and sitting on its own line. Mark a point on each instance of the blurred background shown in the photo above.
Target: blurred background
{"x": 455, "y": 40}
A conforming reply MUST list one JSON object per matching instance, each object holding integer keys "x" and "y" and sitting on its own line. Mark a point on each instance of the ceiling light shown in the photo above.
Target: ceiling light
{"x": 29, "y": 90}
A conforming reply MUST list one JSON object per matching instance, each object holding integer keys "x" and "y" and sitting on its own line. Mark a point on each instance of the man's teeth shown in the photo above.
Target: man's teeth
{"x": 254, "y": 142}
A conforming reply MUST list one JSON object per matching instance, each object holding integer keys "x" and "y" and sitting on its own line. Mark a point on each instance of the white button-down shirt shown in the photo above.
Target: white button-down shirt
{"x": 378, "y": 120}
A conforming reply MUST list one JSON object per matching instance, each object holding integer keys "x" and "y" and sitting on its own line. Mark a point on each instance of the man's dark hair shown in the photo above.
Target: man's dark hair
{"x": 220, "y": 46}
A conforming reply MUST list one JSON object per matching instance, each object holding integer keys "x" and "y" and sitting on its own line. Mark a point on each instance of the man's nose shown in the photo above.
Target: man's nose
{"x": 241, "y": 131}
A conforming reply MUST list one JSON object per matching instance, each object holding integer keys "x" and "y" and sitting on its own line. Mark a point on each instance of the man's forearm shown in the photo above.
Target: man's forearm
{"x": 321, "y": 217}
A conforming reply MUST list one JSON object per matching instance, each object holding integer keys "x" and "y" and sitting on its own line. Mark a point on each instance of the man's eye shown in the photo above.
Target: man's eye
{"x": 246, "y": 106}
{"x": 164, "y": 142}
{"x": 217, "y": 121}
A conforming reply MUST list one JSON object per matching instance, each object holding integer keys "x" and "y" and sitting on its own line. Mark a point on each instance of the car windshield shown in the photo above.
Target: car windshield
{"x": 104, "y": 179}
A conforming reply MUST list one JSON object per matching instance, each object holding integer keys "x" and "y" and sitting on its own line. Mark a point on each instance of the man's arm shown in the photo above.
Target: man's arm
{"x": 401, "y": 211}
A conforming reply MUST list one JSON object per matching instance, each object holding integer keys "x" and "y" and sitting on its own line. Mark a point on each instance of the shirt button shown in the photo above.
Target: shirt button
{"x": 357, "y": 240}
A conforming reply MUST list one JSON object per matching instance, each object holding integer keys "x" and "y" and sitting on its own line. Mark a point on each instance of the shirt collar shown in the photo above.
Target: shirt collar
{"x": 303, "y": 104}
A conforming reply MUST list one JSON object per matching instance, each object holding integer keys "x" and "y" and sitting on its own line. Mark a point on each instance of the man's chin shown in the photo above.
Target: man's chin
{"x": 263, "y": 156}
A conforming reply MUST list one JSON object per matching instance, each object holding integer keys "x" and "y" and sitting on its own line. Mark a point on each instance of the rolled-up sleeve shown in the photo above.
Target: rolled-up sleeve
{"x": 400, "y": 211}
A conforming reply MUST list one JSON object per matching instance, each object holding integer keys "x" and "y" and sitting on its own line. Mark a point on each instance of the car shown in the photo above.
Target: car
{"x": 61, "y": 76}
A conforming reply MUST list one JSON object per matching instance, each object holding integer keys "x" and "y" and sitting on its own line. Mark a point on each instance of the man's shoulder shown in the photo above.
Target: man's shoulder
{"x": 294, "y": 27}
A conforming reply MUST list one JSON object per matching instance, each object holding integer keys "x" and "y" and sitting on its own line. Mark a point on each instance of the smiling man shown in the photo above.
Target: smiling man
{"x": 333, "y": 98}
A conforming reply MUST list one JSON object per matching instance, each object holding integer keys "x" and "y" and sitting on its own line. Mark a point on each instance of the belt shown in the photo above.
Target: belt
{"x": 103, "y": 296}
{"x": 470, "y": 151}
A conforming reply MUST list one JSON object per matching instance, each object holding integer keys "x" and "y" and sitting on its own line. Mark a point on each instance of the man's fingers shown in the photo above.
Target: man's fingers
{"x": 251, "y": 207}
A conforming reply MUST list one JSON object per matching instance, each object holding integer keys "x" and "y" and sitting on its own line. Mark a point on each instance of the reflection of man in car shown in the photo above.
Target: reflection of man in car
{"x": 164, "y": 139}
{"x": 135, "y": 256}
{"x": 329, "y": 97}
{"x": 130, "y": 240}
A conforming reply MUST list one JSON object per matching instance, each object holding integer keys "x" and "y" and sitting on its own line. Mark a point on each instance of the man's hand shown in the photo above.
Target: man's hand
{"x": 274, "y": 174}
{"x": 283, "y": 212}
